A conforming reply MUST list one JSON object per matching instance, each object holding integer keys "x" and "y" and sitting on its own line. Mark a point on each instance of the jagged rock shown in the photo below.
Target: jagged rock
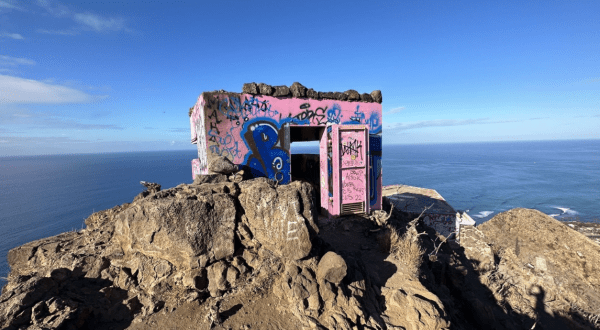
{"x": 312, "y": 94}
{"x": 298, "y": 90}
{"x": 281, "y": 91}
{"x": 327, "y": 95}
{"x": 411, "y": 306}
{"x": 352, "y": 95}
{"x": 232, "y": 275}
{"x": 476, "y": 248}
{"x": 152, "y": 187}
{"x": 178, "y": 230}
{"x": 364, "y": 97}
{"x": 250, "y": 88}
{"x": 237, "y": 177}
{"x": 209, "y": 178}
{"x": 222, "y": 165}
{"x": 332, "y": 268}
{"x": 217, "y": 278}
{"x": 376, "y": 96}
{"x": 265, "y": 89}
{"x": 340, "y": 96}
{"x": 280, "y": 218}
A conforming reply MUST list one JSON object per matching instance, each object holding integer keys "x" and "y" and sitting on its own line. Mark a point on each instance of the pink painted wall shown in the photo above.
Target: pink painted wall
{"x": 249, "y": 131}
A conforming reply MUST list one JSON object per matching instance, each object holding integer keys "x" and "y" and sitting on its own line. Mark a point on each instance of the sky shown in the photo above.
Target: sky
{"x": 116, "y": 76}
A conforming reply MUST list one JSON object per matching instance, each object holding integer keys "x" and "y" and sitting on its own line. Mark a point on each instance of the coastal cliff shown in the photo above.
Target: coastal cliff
{"x": 228, "y": 253}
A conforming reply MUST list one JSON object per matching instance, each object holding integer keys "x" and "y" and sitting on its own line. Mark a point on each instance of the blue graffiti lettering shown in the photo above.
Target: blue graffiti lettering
{"x": 267, "y": 157}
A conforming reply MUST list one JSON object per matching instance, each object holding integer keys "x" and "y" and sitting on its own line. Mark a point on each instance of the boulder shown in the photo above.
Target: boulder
{"x": 332, "y": 268}
{"x": 352, "y": 95}
{"x": 364, "y": 97}
{"x": 281, "y": 91}
{"x": 177, "y": 229}
{"x": 280, "y": 218}
{"x": 250, "y": 88}
{"x": 265, "y": 89}
{"x": 312, "y": 94}
{"x": 376, "y": 96}
{"x": 222, "y": 165}
{"x": 217, "y": 280}
{"x": 298, "y": 90}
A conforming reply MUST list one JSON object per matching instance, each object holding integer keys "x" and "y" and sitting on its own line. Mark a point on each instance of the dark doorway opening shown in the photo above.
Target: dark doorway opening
{"x": 304, "y": 149}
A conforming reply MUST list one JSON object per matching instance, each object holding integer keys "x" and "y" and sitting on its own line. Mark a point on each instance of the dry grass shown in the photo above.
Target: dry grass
{"x": 406, "y": 248}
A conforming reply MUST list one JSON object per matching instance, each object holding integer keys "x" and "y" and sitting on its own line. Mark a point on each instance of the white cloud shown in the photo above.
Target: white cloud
{"x": 54, "y": 8}
{"x": 14, "y": 61}
{"x": 19, "y": 90}
{"x": 11, "y": 35}
{"x": 394, "y": 110}
{"x": 59, "y": 32}
{"x": 99, "y": 23}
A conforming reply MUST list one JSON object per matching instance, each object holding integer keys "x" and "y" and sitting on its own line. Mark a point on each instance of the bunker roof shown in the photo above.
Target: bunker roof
{"x": 297, "y": 90}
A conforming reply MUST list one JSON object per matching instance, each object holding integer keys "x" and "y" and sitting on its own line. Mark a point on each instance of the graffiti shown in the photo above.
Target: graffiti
{"x": 267, "y": 157}
{"x": 195, "y": 168}
{"x": 333, "y": 114}
{"x": 352, "y": 148}
{"x": 442, "y": 223}
{"x": 353, "y": 186}
{"x": 254, "y": 107}
{"x": 316, "y": 117}
{"x": 230, "y": 151}
{"x": 358, "y": 117}
{"x": 249, "y": 130}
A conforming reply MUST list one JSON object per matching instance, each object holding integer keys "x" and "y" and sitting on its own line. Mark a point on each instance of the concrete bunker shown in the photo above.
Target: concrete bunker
{"x": 254, "y": 129}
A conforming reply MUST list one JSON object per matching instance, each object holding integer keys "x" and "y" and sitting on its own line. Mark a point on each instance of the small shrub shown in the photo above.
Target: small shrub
{"x": 407, "y": 249}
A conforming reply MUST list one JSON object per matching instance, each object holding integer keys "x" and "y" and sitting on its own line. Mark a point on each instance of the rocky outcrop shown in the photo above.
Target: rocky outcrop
{"x": 226, "y": 253}
{"x": 282, "y": 218}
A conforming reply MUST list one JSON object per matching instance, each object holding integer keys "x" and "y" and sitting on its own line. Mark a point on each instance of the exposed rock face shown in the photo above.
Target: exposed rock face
{"x": 248, "y": 254}
{"x": 280, "y": 218}
{"x": 169, "y": 228}
{"x": 552, "y": 264}
{"x": 476, "y": 248}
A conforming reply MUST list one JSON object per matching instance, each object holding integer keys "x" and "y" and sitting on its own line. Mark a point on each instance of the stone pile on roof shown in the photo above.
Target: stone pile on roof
{"x": 299, "y": 91}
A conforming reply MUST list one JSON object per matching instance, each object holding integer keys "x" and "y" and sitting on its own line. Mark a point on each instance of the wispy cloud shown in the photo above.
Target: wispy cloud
{"x": 394, "y": 110}
{"x": 19, "y": 90}
{"x": 70, "y": 32}
{"x": 11, "y": 35}
{"x": 14, "y": 61}
{"x": 398, "y": 127}
{"x": 9, "y": 5}
{"x": 87, "y": 20}
{"x": 99, "y": 23}
{"x": 54, "y": 8}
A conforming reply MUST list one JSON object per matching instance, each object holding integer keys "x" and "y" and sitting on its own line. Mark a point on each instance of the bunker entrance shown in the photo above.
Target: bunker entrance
{"x": 304, "y": 149}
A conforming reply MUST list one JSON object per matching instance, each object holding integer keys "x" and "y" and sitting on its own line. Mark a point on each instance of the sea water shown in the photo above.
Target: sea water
{"x": 41, "y": 196}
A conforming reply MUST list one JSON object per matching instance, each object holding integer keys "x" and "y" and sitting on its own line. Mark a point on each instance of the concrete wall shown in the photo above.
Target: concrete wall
{"x": 251, "y": 130}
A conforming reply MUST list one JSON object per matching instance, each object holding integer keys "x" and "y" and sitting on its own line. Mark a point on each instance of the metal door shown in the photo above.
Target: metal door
{"x": 350, "y": 144}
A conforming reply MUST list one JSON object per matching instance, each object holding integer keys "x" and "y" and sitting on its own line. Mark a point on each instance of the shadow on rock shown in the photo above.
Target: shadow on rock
{"x": 66, "y": 301}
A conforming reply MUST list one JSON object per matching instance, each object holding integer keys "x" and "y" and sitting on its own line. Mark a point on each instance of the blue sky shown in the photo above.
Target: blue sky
{"x": 102, "y": 76}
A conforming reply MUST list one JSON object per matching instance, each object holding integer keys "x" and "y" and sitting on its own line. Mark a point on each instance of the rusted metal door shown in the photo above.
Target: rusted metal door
{"x": 350, "y": 162}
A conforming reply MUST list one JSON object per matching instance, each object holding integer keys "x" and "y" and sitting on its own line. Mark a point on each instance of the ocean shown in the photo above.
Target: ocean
{"x": 41, "y": 196}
